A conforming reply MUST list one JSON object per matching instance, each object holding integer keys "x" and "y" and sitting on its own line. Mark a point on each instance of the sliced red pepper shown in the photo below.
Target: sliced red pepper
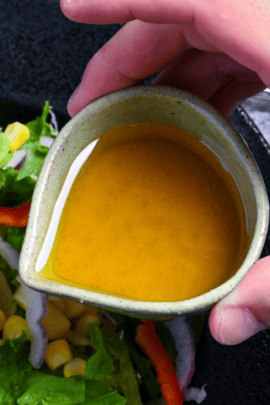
{"x": 15, "y": 216}
{"x": 147, "y": 338}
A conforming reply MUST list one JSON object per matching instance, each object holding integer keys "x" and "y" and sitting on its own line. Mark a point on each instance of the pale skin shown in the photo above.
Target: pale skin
{"x": 216, "y": 49}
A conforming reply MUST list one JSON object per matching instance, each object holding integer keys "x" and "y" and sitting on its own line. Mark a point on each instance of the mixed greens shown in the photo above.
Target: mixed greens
{"x": 103, "y": 358}
{"x": 111, "y": 378}
{"x": 16, "y": 186}
{"x": 117, "y": 372}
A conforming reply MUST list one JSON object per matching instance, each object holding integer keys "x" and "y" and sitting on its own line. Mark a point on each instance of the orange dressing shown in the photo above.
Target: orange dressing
{"x": 152, "y": 215}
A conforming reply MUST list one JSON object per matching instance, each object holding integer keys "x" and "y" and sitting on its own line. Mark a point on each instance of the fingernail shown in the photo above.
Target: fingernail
{"x": 68, "y": 2}
{"x": 237, "y": 325}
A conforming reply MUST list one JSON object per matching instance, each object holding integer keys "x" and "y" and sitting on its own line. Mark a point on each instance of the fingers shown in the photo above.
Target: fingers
{"x": 203, "y": 73}
{"x": 230, "y": 94}
{"x": 238, "y": 28}
{"x": 141, "y": 49}
{"x": 246, "y": 310}
{"x": 120, "y": 11}
{"x": 212, "y": 76}
{"x": 137, "y": 51}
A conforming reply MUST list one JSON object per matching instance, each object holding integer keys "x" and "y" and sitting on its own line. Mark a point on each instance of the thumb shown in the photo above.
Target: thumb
{"x": 246, "y": 310}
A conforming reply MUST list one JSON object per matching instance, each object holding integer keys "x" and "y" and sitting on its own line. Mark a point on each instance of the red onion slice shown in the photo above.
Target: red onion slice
{"x": 17, "y": 159}
{"x": 184, "y": 342}
{"x": 9, "y": 254}
{"x": 54, "y": 125}
{"x": 196, "y": 394}
{"x": 35, "y": 311}
{"x": 46, "y": 141}
{"x": 16, "y": 162}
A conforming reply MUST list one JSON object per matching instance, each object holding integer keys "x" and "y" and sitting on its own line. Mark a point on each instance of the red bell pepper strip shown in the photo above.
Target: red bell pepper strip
{"x": 150, "y": 343}
{"x": 15, "y": 216}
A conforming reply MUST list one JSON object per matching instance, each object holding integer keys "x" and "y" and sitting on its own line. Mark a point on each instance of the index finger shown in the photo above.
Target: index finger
{"x": 238, "y": 28}
{"x": 120, "y": 11}
{"x": 137, "y": 51}
{"x": 245, "y": 311}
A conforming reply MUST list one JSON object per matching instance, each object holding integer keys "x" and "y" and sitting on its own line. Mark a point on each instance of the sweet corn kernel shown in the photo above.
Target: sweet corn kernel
{"x": 21, "y": 298}
{"x": 14, "y": 327}
{"x": 74, "y": 309}
{"x": 76, "y": 339}
{"x": 90, "y": 309}
{"x": 55, "y": 322}
{"x": 75, "y": 367}
{"x": 83, "y": 323}
{"x": 59, "y": 302}
{"x": 2, "y": 319}
{"x": 17, "y": 134}
{"x": 57, "y": 353}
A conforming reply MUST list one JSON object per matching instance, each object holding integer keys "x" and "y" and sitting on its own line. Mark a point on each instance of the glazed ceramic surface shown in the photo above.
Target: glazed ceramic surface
{"x": 144, "y": 104}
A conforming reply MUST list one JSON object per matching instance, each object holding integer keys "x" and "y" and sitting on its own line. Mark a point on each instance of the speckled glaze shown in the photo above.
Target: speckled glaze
{"x": 144, "y": 104}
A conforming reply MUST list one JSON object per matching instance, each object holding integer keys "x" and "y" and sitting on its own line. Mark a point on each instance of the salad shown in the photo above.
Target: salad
{"x": 55, "y": 351}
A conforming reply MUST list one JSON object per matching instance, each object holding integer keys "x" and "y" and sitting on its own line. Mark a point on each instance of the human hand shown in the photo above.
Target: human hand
{"x": 217, "y": 50}
{"x": 246, "y": 310}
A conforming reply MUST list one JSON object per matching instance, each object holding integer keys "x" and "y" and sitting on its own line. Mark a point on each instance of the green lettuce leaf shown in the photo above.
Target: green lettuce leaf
{"x": 15, "y": 237}
{"x": 111, "y": 364}
{"x": 5, "y": 154}
{"x": 14, "y": 365}
{"x": 15, "y": 192}
{"x": 36, "y": 152}
{"x": 146, "y": 371}
{"x": 17, "y": 186}
{"x": 100, "y": 363}
{"x": 125, "y": 378}
{"x": 97, "y": 393}
{"x": 44, "y": 389}
{"x": 21, "y": 384}
{"x": 5, "y": 397}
